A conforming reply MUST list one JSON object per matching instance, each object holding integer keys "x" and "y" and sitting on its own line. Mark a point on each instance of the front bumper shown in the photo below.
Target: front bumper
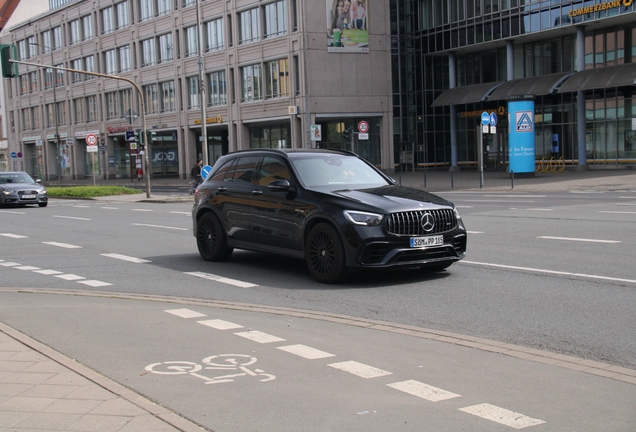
{"x": 20, "y": 198}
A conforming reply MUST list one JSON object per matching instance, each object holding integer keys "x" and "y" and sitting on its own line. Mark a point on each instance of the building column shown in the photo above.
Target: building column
{"x": 452, "y": 81}
{"x": 510, "y": 60}
{"x": 580, "y": 100}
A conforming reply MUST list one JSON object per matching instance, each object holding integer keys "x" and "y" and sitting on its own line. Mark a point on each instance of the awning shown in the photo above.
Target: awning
{"x": 538, "y": 86}
{"x": 613, "y": 76}
{"x": 466, "y": 94}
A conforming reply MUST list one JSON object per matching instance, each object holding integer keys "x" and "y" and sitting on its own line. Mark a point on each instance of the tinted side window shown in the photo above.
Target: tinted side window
{"x": 222, "y": 173}
{"x": 272, "y": 169}
{"x": 244, "y": 171}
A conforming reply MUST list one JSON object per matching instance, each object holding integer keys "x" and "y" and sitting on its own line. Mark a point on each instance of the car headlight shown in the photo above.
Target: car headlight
{"x": 43, "y": 192}
{"x": 456, "y": 213}
{"x": 6, "y": 192}
{"x": 363, "y": 218}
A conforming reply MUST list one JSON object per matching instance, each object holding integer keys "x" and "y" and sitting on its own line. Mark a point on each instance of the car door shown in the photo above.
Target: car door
{"x": 272, "y": 218}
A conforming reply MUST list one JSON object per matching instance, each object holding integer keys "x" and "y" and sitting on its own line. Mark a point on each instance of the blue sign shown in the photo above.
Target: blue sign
{"x": 205, "y": 171}
{"x": 485, "y": 118}
{"x": 14, "y": 155}
{"x": 130, "y": 135}
{"x": 493, "y": 119}
{"x": 522, "y": 137}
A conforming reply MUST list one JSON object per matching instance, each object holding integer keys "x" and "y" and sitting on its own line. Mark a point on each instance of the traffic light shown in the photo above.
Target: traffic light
{"x": 347, "y": 134}
{"x": 152, "y": 136}
{"x": 7, "y": 53}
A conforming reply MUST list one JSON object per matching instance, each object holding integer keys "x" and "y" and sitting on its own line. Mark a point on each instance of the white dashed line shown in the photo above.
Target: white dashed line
{"x": 161, "y": 226}
{"x": 531, "y": 209}
{"x": 260, "y": 337}
{"x": 142, "y": 210}
{"x": 617, "y": 212}
{"x": 28, "y": 268}
{"x": 185, "y": 313}
{"x": 220, "y": 324}
{"x": 359, "y": 369}
{"x": 222, "y": 279}
{"x": 48, "y": 272}
{"x": 15, "y": 236}
{"x": 110, "y": 208}
{"x": 12, "y": 212}
{"x": 70, "y": 217}
{"x": 126, "y": 258}
{"x": 579, "y": 239}
{"x": 306, "y": 352}
{"x": 62, "y": 245}
{"x": 423, "y": 391}
{"x": 70, "y": 277}
{"x": 94, "y": 283}
{"x": 475, "y": 232}
{"x": 183, "y": 213}
{"x": 9, "y": 264}
{"x": 502, "y": 416}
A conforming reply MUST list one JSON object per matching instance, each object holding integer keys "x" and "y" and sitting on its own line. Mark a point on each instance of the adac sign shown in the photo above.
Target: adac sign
{"x": 600, "y": 7}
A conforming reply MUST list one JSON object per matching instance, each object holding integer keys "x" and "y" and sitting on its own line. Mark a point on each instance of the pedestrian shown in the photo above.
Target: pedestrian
{"x": 195, "y": 172}
{"x": 140, "y": 174}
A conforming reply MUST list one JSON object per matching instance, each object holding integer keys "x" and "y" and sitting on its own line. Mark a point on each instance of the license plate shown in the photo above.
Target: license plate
{"x": 28, "y": 196}
{"x": 422, "y": 242}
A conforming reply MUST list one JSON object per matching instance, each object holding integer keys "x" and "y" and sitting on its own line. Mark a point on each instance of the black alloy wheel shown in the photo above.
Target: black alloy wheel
{"x": 325, "y": 255}
{"x": 211, "y": 239}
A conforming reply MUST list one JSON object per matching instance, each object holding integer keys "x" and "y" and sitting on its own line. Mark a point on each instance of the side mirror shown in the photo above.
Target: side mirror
{"x": 279, "y": 186}
{"x": 38, "y": 180}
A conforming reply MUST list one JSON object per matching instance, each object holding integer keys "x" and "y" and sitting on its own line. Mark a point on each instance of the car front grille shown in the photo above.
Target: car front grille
{"x": 27, "y": 192}
{"x": 410, "y": 223}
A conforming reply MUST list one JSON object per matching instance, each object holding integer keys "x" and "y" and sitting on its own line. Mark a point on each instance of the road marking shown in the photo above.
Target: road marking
{"x": 259, "y": 337}
{"x": 28, "y": 268}
{"x": 185, "y": 313}
{"x": 423, "y": 391}
{"x": 359, "y": 369}
{"x": 70, "y": 217}
{"x": 460, "y": 206}
{"x": 70, "y": 277}
{"x": 142, "y": 210}
{"x": 94, "y": 283}
{"x": 48, "y": 272}
{"x": 306, "y": 352}
{"x": 617, "y": 212}
{"x": 554, "y": 272}
{"x": 222, "y": 279}
{"x": 502, "y": 416}
{"x": 62, "y": 245}
{"x": 475, "y": 232}
{"x": 515, "y": 196}
{"x": 9, "y": 264}
{"x": 126, "y": 258}
{"x": 81, "y": 206}
{"x": 625, "y": 204}
{"x": 183, "y": 213}
{"x": 530, "y": 209}
{"x": 499, "y": 201}
{"x": 12, "y": 212}
{"x": 110, "y": 208}
{"x": 220, "y": 324}
{"x": 579, "y": 239}
{"x": 15, "y": 236}
{"x": 161, "y": 226}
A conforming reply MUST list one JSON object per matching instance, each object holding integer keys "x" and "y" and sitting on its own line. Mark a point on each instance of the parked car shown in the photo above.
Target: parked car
{"x": 331, "y": 208}
{"x": 18, "y": 188}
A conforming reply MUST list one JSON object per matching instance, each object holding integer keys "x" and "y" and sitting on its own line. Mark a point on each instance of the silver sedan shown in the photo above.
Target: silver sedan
{"x": 19, "y": 188}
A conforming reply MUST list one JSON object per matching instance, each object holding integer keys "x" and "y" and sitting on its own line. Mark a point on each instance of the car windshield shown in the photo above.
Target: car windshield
{"x": 15, "y": 178}
{"x": 318, "y": 170}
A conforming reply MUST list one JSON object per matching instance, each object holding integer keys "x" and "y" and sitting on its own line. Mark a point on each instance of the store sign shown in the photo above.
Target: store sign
{"x": 210, "y": 120}
{"x": 600, "y": 7}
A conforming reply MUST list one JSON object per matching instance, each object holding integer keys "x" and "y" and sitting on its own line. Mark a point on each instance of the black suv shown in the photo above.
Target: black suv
{"x": 331, "y": 208}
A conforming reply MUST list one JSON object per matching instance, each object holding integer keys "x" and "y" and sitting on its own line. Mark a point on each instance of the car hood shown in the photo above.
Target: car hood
{"x": 21, "y": 186}
{"x": 395, "y": 198}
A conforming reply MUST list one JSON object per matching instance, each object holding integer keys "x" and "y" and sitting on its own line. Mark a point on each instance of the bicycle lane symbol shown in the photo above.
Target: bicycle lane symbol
{"x": 236, "y": 363}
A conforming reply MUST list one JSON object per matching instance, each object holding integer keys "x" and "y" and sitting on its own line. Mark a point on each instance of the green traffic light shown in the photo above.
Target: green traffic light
{"x": 7, "y": 53}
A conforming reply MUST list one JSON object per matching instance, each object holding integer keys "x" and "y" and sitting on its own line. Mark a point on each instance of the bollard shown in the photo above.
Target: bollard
{"x": 512, "y": 179}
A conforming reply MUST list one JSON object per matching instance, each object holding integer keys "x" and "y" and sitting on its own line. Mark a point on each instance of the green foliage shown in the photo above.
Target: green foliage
{"x": 90, "y": 191}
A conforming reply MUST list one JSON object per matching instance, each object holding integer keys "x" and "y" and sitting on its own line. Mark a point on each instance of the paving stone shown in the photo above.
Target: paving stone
{"x": 51, "y": 421}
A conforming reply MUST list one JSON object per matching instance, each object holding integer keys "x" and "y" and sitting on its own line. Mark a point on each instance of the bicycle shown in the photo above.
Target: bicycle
{"x": 192, "y": 186}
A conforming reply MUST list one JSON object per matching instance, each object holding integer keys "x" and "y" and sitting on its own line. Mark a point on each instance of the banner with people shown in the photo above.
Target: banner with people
{"x": 347, "y": 26}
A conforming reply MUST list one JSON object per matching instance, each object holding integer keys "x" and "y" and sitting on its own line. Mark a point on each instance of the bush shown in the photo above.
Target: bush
{"x": 90, "y": 191}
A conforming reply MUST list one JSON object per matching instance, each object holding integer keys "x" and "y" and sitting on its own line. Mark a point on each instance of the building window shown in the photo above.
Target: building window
{"x": 166, "y": 49}
{"x": 148, "y": 53}
{"x": 59, "y": 76}
{"x": 167, "y": 96}
{"x": 122, "y": 15}
{"x": 275, "y": 19}
{"x": 110, "y": 62}
{"x": 76, "y": 76}
{"x": 50, "y": 115}
{"x": 22, "y": 50}
{"x": 218, "y": 88}
{"x": 48, "y": 78}
{"x": 124, "y": 58}
{"x": 147, "y": 9}
{"x": 192, "y": 41}
{"x": 249, "y": 23}
{"x": 61, "y": 112}
{"x": 187, "y": 3}
{"x": 270, "y": 137}
{"x": 164, "y": 7}
{"x": 79, "y": 107}
{"x": 46, "y": 42}
{"x": 35, "y": 112}
{"x": 152, "y": 99}
{"x": 75, "y": 32}
{"x": 112, "y": 106}
{"x": 125, "y": 101}
{"x": 91, "y": 103}
{"x": 89, "y": 66}
{"x": 251, "y": 87}
{"x": 214, "y": 35}
{"x": 33, "y": 82}
{"x": 277, "y": 78}
{"x": 108, "y": 23}
{"x": 57, "y": 38}
{"x": 87, "y": 27}
{"x": 194, "y": 93}
{"x": 26, "y": 118}
{"x": 24, "y": 84}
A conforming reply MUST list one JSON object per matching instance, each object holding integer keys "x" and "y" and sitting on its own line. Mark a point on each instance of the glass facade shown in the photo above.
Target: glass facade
{"x": 544, "y": 41}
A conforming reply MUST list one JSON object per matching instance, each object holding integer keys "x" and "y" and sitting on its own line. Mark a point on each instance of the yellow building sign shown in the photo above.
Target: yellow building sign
{"x": 600, "y": 7}
{"x": 210, "y": 120}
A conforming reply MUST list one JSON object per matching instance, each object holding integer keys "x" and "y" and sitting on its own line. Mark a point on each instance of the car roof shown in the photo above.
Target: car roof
{"x": 290, "y": 151}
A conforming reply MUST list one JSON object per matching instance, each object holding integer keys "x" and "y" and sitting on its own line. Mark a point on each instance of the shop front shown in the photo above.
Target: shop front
{"x": 164, "y": 156}
{"x": 360, "y": 134}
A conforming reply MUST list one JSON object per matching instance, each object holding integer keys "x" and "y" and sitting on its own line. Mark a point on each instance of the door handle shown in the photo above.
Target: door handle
{"x": 257, "y": 192}
{"x": 222, "y": 189}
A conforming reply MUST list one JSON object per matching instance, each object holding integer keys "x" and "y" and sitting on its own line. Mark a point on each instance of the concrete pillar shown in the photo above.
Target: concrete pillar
{"x": 452, "y": 83}
{"x": 510, "y": 60}
{"x": 580, "y": 100}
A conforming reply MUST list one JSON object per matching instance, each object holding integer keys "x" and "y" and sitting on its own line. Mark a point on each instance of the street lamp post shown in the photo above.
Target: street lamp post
{"x": 202, "y": 101}
{"x": 57, "y": 131}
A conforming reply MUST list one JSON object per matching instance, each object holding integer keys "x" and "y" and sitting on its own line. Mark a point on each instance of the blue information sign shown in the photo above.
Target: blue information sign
{"x": 493, "y": 119}
{"x": 205, "y": 170}
{"x": 485, "y": 118}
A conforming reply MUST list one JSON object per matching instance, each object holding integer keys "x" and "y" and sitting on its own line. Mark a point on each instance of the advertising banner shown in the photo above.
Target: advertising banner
{"x": 522, "y": 136}
{"x": 347, "y": 26}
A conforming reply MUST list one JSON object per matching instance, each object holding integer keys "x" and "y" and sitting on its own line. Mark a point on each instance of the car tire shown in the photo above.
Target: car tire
{"x": 43, "y": 204}
{"x": 325, "y": 255}
{"x": 211, "y": 239}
